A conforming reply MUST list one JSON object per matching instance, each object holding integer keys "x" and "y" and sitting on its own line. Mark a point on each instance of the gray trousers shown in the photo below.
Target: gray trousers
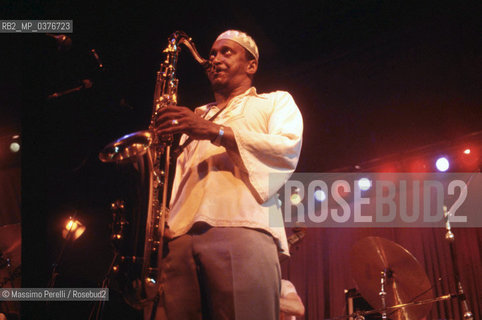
{"x": 220, "y": 273}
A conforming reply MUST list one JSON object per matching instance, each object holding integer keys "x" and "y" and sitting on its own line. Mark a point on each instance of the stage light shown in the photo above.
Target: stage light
{"x": 73, "y": 229}
{"x": 295, "y": 197}
{"x": 364, "y": 184}
{"x": 15, "y": 144}
{"x": 469, "y": 159}
{"x": 320, "y": 195}
{"x": 14, "y": 147}
{"x": 442, "y": 164}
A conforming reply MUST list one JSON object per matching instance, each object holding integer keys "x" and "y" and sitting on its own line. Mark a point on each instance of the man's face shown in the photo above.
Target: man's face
{"x": 230, "y": 66}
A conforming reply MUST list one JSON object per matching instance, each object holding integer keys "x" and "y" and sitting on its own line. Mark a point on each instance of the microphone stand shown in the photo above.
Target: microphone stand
{"x": 98, "y": 308}
{"x": 450, "y": 237}
{"x": 86, "y": 84}
{"x": 55, "y": 273}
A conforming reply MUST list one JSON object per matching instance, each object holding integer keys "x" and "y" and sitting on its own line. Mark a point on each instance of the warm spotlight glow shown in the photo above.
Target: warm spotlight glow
{"x": 14, "y": 147}
{"x": 418, "y": 165}
{"x": 364, "y": 184}
{"x": 469, "y": 160}
{"x": 295, "y": 197}
{"x": 73, "y": 229}
{"x": 389, "y": 168}
{"x": 442, "y": 164}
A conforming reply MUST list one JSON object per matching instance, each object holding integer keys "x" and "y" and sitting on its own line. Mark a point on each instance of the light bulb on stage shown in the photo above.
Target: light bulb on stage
{"x": 73, "y": 229}
{"x": 15, "y": 144}
{"x": 442, "y": 164}
{"x": 14, "y": 147}
{"x": 364, "y": 184}
{"x": 295, "y": 197}
{"x": 320, "y": 195}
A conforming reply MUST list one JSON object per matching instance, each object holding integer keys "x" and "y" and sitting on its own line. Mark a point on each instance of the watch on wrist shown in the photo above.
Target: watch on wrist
{"x": 217, "y": 141}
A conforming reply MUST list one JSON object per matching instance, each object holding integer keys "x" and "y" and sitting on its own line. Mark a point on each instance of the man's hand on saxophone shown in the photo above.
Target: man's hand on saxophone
{"x": 178, "y": 119}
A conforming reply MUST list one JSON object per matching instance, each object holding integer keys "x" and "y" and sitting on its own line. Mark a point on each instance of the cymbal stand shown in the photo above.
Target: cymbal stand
{"x": 450, "y": 237}
{"x": 55, "y": 265}
{"x": 359, "y": 316}
{"x": 97, "y": 310}
{"x": 383, "y": 293}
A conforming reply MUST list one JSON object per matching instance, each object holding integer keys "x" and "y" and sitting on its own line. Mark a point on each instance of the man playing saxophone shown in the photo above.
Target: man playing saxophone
{"x": 225, "y": 219}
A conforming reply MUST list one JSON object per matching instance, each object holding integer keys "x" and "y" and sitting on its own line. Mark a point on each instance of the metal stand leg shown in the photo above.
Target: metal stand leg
{"x": 96, "y": 312}
{"x": 383, "y": 293}
{"x": 450, "y": 237}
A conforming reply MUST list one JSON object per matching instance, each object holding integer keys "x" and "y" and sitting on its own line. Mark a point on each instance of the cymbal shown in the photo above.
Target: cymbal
{"x": 406, "y": 279}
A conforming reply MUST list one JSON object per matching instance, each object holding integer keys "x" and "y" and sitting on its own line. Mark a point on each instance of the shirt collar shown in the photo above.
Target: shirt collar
{"x": 250, "y": 92}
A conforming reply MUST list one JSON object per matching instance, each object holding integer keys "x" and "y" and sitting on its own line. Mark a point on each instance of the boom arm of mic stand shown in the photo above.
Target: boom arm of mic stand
{"x": 86, "y": 84}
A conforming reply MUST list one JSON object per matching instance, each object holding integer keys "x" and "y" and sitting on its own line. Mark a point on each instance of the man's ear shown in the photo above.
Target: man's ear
{"x": 252, "y": 67}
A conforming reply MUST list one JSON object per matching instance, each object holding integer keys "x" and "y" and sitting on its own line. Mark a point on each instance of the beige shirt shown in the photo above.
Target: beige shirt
{"x": 227, "y": 189}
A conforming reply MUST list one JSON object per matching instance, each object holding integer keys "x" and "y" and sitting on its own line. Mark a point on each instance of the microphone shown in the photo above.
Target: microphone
{"x": 63, "y": 42}
{"x": 96, "y": 57}
{"x": 86, "y": 84}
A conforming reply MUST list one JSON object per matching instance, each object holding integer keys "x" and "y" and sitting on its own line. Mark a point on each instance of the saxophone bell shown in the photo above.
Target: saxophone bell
{"x": 127, "y": 148}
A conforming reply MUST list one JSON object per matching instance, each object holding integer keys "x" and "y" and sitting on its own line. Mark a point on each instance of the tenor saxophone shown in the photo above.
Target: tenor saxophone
{"x": 147, "y": 144}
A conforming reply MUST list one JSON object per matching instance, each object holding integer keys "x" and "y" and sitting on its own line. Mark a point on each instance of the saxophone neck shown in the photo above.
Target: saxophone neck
{"x": 180, "y": 37}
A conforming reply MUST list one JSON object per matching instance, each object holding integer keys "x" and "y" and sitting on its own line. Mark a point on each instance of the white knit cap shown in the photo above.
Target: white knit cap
{"x": 242, "y": 39}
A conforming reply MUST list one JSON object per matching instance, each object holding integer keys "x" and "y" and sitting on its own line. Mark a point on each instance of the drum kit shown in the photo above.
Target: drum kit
{"x": 392, "y": 281}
